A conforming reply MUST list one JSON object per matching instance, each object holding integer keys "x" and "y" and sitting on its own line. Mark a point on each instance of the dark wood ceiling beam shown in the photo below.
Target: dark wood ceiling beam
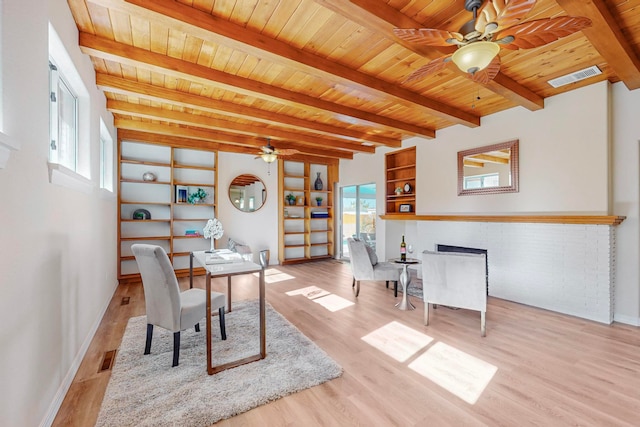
{"x": 607, "y": 38}
{"x": 222, "y": 31}
{"x": 178, "y": 117}
{"x": 110, "y": 50}
{"x": 382, "y": 18}
{"x": 122, "y": 86}
{"x": 223, "y": 138}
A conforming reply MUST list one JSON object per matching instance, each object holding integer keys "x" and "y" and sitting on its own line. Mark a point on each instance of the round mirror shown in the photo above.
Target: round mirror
{"x": 247, "y": 193}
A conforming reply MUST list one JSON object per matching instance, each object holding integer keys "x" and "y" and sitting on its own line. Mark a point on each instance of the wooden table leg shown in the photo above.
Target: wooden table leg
{"x": 263, "y": 319}
{"x": 228, "y": 294}
{"x": 208, "y": 322}
{"x": 190, "y": 270}
{"x": 263, "y": 331}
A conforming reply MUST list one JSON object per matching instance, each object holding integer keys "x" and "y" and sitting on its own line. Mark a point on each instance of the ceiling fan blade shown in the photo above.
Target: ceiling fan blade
{"x": 485, "y": 75}
{"x": 428, "y": 36}
{"x": 542, "y": 31}
{"x": 267, "y": 149}
{"x": 504, "y": 13}
{"x": 432, "y": 67}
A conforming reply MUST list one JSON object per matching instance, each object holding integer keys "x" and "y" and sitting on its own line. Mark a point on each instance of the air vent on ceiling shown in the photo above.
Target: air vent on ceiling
{"x": 575, "y": 77}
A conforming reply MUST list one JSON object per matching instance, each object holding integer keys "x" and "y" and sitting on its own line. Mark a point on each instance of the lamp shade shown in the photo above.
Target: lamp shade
{"x": 475, "y": 56}
{"x": 269, "y": 157}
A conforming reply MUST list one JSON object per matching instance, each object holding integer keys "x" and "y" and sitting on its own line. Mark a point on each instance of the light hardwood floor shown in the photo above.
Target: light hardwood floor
{"x": 552, "y": 370}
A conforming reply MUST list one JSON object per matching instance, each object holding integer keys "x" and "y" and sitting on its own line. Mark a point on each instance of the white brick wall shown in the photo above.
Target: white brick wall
{"x": 561, "y": 267}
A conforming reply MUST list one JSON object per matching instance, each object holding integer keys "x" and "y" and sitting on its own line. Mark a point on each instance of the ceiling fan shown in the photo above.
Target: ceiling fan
{"x": 269, "y": 153}
{"x": 494, "y": 25}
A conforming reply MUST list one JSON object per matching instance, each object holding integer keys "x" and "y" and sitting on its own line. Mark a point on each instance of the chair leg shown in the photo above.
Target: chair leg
{"x": 395, "y": 289}
{"x": 176, "y": 348}
{"x": 387, "y": 282}
{"x": 426, "y": 313}
{"x": 147, "y": 346}
{"x": 198, "y": 327}
{"x": 223, "y": 329}
{"x": 483, "y": 323}
{"x": 357, "y": 288}
{"x": 353, "y": 283}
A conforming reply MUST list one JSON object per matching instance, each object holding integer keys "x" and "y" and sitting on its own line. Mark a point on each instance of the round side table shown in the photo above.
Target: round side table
{"x": 405, "y": 279}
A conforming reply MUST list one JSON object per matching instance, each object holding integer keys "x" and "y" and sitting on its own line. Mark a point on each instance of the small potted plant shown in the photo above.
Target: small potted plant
{"x": 319, "y": 200}
{"x": 291, "y": 199}
{"x": 197, "y": 197}
{"x": 398, "y": 191}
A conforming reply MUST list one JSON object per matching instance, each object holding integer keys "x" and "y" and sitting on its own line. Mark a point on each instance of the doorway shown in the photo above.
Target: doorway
{"x": 358, "y": 213}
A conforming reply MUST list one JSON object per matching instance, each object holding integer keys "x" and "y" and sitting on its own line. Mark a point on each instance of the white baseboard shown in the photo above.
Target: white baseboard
{"x": 50, "y": 416}
{"x": 627, "y": 320}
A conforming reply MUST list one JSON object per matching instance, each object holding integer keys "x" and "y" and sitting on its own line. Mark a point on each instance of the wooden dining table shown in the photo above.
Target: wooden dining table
{"x": 229, "y": 270}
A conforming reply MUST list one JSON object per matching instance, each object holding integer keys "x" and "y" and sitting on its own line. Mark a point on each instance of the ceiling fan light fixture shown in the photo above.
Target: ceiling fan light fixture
{"x": 475, "y": 56}
{"x": 269, "y": 157}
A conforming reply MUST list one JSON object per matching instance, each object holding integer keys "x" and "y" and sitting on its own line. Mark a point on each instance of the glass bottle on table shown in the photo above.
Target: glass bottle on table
{"x": 403, "y": 250}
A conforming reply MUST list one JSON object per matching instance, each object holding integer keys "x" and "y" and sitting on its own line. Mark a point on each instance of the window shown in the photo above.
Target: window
{"x": 482, "y": 181}
{"x": 106, "y": 158}
{"x": 70, "y": 120}
{"x": 63, "y": 123}
{"x": 358, "y": 210}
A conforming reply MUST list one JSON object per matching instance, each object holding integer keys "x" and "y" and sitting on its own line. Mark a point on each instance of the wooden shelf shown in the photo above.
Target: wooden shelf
{"x": 132, "y": 202}
{"x": 145, "y": 163}
{"x": 142, "y": 181}
{"x": 298, "y": 177}
{"x": 145, "y": 220}
{"x": 188, "y": 167}
{"x": 548, "y": 219}
{"x": 146, "y": 238}
{"x": 400, "y": 169}
{"x": 197, "y": 167}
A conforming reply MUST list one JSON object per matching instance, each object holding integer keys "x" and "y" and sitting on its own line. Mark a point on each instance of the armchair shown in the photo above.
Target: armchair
{"x": 166, "y": 306}
{"x": 455, "y": 280}
{"x": 365, "y": 266}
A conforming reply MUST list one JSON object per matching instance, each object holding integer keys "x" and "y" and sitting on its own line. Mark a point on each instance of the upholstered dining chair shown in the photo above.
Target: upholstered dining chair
{"x": 168, "y": 307}
{"x": 455, "y": 280}
{"x": 365, "y": 266}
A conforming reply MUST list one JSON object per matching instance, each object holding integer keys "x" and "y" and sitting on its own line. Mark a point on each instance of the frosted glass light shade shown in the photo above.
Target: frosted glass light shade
{"x": 475, "y": 56}
{"x": 269, "y": 157}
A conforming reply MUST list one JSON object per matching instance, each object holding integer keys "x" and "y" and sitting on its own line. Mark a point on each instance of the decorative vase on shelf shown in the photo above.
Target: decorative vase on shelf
{"x": 318, "y": 184}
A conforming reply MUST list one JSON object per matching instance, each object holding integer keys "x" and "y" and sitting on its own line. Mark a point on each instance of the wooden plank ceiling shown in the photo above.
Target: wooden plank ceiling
{"x": 324, "y": 77}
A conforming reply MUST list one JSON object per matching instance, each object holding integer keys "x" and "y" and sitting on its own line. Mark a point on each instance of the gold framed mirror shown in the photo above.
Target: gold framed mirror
{"x": 489, "y": 170}
{"x": 247, "y": 193}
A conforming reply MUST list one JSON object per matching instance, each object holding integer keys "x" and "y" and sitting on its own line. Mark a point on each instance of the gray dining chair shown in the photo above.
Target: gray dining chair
{"x": 166, "y": 306}
{"x": 455, "y": 279}
{"x": 365, "y": 266}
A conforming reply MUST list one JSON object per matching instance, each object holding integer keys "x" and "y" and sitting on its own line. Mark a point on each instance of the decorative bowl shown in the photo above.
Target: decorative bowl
{"x": 148, "y": 176}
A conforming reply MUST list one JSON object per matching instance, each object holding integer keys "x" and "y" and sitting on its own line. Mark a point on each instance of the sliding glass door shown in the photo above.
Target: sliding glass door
{"x": 358, "y": 211}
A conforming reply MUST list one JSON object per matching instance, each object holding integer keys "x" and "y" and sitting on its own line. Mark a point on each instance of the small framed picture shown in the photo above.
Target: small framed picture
{"x": 182, "y": 193}
{"x": 405, "y": 208}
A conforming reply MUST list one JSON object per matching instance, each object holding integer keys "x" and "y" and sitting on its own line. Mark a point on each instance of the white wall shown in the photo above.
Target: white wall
{"x": 626, "y": 197}
{"x": 58, "y": 246}
{"x": 577, "y": 155}
{"x": 563, "y": 158}
{"x": 257, "y": 229}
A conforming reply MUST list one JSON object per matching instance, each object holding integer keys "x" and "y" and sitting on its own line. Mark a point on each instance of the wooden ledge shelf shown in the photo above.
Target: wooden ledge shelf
{"x": 548, "y": 219}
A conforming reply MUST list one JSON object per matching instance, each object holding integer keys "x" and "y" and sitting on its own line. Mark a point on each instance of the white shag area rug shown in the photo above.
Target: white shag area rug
{"x": 144, "y": 390}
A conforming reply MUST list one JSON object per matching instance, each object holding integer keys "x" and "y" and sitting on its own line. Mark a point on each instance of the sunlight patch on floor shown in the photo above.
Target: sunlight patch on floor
{"x": 333, "y": 302}
{"x": 397, "y": 340}
{"x": 326, "y": 299}
{"x": 460, "y": 373}
{"x": 273, "y": 275}
{"x": 310, "y": 292}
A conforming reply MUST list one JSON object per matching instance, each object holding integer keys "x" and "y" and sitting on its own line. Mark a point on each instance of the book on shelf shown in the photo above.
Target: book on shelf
{"x": 319, "y": 214}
